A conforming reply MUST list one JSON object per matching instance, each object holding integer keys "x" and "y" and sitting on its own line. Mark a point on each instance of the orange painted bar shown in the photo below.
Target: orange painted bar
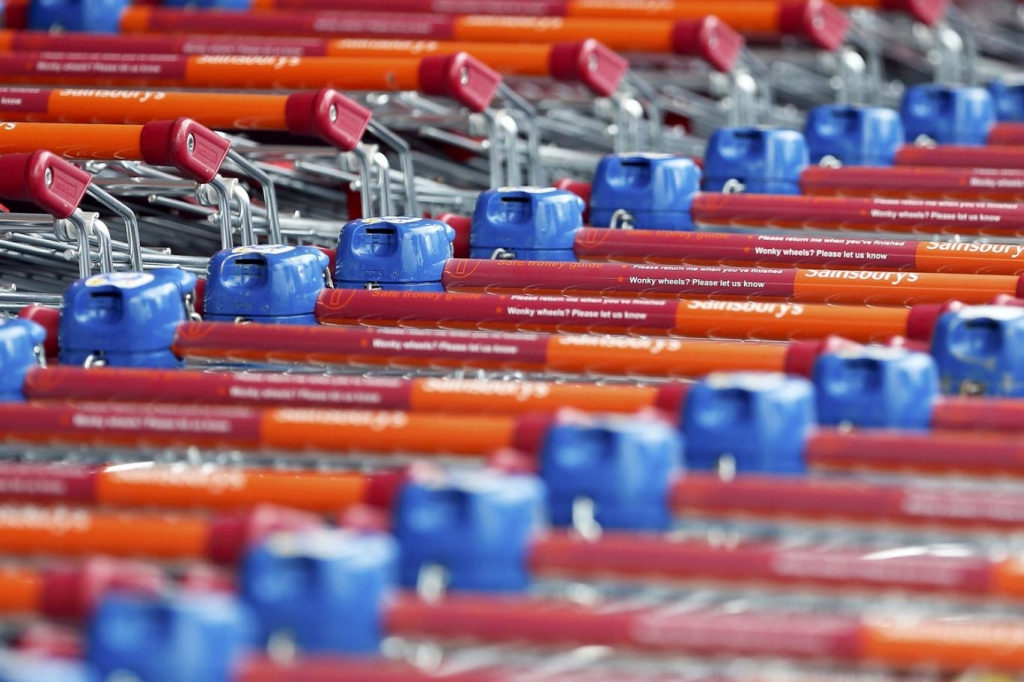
{"x": 73, "y": 141}
{"x": 386, "y": 432}
{"x": 953, "y": 644}
{"x": 228, "y": 488}
{"x": 282, "y": 429}
{"x": 269, "y": 389}
{"x": 216, "y": 110}
{"x": 63, "y": 531}
{"x": 715, "y": 319}
{"x": 408, "y": 348}
{"x": 20, "y": 590}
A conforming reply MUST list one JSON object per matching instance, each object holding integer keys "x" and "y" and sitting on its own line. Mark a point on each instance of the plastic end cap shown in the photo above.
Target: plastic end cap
{"x": 589, "y": 62}
{"x": 876, "y": 387}
{"x": 326, "y": 589}
{"x": 459, "y": 76}
{"x": 476, "y": 525}
{"x": 748, "y": 422}
{"x": 329, "y": 115}
{"x": 231, "y": 535}
{"x": 710, "y": 39}
{"x": 801, "y": 355}
{"x": 820, "y": 22}
{"x": 71, "y": 592}
{"x": 928, "y": 12}
{"x": 622, "y": 466}
{"x": 46, "y": 180}
{"x": 922, "y": 318}
{"x": 191, "y": 148}
{"x": 463, "y": 229}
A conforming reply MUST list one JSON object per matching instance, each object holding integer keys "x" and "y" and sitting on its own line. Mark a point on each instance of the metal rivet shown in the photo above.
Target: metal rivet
{"x": 464, "y": 76}
{"x": 592, "y": 62}
{"x": 48, "y": 176}
{"x": 190, "y": 142}
{"x": 332, "y": 113}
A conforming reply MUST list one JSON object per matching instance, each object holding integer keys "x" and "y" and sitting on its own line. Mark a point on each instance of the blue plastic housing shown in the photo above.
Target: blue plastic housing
{"x": 19, "y": 340}
{"x": 624, "y": 466}
{"x": 533, "y": 223}
{"x": 980, "y": 349}
{"x": 948, "y": 114}
{"x": 764, "y": 160}
{"x": 169, "y": 638}
{"x": 759, "y": 420}
{"x": 876, "y": 387}
{"x": 1008, "y": 99}
{"x": 271, "y": 284}
{"x": 394, "y": 253}
{"x": 655, "y": 189}
{"x": 476, "y": 525}
{"x": 324, "y": 589}
{"x": 93, "y": 16}
{"x": 128, "y": 319}
{"x": 855, "y": 136}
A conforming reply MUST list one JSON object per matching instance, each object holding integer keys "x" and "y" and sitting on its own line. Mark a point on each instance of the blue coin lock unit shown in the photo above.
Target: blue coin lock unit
{"x": 125, "y": 319}
{"x": 475, "y": 526}
{"x": 978, "y": 351}
{"x": 169, "y": 638}
{"x": 526, "y": 223}
{"x": 322, "y": 589}
{"x": 393, "y": 253}
{"x": 622, "y": 467}
{"x": 948, "y": 114}
{"x": 749, "y": 422}
{"x": 649, "y": 191}
{"x": 760, "y": 160}
{"x": 1008, "y": 99}
{"x": 20, "y": 350}
{"x": 94, "y": 16}
{"x": 272, "y": 284}
{"x": 854, "y": 136}
{"x": 876, "y": 387}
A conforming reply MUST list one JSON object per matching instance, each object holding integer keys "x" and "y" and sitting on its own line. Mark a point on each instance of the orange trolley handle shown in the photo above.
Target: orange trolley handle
{"x": 192, "y": 149}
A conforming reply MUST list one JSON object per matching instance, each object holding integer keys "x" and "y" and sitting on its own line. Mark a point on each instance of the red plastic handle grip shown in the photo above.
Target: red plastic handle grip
{"x": 461, "y": 77}
{"x": 820, "y": 22}
{"x": 709, "y": 39}
{"x": 193, "y": 149}
{"x": 329, "y": 115}
{"x": 588, "y": 62}
{"x": 926, "y": 11}
{"x": 46, "y": 180}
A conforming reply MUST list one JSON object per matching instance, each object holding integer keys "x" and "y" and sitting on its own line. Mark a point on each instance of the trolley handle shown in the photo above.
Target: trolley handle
{"x": 329, "y": 115}
{"x": 191, "y": 148}
{"x": 44, "y": 179}
{"x": 461, "y": 77}
{"x": 194, "y": 150}
{"x": 822, "y": 23}
{"x": 710, "y": 39}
